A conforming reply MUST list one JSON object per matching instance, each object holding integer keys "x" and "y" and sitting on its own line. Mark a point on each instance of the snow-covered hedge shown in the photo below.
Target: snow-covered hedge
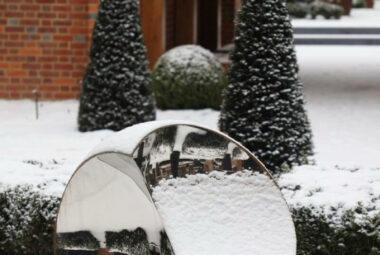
{"x": 327, "y": 10}
{"x": 355, "y": 232}
{"x": 359, "y": 4}
{"x": 188, "y": 77}
{"x": 298, "y": 9}
{"x": 336, "y": 208}
{"x": 26, "y": 221}
{"x": 27, "y": 225}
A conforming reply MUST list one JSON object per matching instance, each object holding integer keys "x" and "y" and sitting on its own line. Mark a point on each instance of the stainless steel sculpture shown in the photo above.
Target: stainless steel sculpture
{"x": 107, "y": 207}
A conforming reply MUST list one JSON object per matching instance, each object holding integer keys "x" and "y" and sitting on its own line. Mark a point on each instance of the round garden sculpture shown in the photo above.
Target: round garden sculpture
{"x": 169, "y": 187}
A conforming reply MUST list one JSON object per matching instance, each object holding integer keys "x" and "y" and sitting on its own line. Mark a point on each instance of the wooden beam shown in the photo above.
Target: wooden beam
{"x": 237, "y": 6}
{"x": 152, "y": 21}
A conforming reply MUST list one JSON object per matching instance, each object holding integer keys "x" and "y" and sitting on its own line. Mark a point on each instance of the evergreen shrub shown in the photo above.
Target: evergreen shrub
{"x": 188, "y": 77}
{"x": 327, "y": 10}
{"x": 298, "y": 9}
{"x": 359, "y": 4}
{"x": 355, "y": 232}
{"x": 117, "y": 89}
{"x": 263, "y": 105}
{"x": 26, "y": 221}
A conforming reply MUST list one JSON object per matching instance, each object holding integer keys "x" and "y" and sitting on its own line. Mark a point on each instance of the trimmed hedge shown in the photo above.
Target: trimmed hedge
{"x": 298, "y": 9}
{"x": 359, "y": 4}
{"x": 326, "y": 10}
{"x": 26, "y": 221}
{"x": 27, "y": 224}
{"x": 355, "y": 232}
{"x": 188, "y": 77}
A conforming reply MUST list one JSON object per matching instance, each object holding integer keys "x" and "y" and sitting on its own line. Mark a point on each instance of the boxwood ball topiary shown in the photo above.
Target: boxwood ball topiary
{"x": 188, "y": 76}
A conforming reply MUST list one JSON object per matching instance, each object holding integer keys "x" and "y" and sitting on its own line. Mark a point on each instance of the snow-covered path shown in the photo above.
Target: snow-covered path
{"x": 342, "y": 89}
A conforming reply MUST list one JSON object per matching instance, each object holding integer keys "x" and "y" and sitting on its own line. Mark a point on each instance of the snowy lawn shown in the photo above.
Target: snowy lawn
{"x": 342, "y": 89}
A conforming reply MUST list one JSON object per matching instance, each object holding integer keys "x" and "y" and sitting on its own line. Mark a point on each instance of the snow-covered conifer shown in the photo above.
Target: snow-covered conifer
{"x": 263, "y": 105}
{"x": 117, "y": 88}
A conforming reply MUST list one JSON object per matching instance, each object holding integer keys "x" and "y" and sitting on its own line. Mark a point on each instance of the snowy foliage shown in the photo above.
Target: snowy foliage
{"x": 336, "y": 210}
{"x": 327, "y": 10}
{"x": 26, "y": 221}
{"x": 302, "y": 9}
{"x": 188, "y": 76}
{"x": 298, "y": 9}
{"x": 263, "y": 104}
{"x": 357, "y": 231}
{"x": 116, "y": 91}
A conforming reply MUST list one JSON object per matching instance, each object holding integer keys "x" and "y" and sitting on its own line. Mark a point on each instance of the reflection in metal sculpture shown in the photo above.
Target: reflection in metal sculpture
{"x": 181, "y": 150}
{"x": 107, "y": 205}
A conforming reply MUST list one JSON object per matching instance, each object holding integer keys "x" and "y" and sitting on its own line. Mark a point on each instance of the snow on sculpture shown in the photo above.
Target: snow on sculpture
{"x": 169, "y": 187}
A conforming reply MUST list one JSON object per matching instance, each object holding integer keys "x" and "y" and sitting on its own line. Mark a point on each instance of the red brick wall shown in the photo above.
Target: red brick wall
{"x": 44, "y": 45}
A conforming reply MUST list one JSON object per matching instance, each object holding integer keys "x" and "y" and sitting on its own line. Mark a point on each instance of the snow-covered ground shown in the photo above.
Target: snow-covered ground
{"x": 342, "y": 87}
{"x": 359, "y": 17}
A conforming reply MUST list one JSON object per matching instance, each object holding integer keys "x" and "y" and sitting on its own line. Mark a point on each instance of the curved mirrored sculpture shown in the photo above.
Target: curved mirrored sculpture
{"x": 169, "y": 187}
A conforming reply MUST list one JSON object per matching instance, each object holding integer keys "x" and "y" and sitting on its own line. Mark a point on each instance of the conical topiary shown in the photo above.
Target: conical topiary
{"x": 263, "y": 105}
{"x": 117, "y": 88}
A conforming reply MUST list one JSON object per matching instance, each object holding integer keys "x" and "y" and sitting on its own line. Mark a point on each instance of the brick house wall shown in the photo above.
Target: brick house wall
{"x": 44, "y": 45}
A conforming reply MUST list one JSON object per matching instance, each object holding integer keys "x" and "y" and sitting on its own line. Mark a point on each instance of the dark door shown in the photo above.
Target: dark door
{"x": 208, "y": 24}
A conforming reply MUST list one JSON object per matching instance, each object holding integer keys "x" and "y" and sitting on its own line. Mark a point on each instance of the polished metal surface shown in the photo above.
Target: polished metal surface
{"x": 107, "y": 206}
{"x": 181, "y": 150}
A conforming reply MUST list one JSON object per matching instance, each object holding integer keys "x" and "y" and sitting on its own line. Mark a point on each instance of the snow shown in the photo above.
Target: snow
{"x": 359, "y": 17}
{"x": 189, "y": 56}
{"x": 342, "y": 91}
{"x": 243, "y": 213}
{"x": 182, "y": 133}
{"x": 342, "y": 88}
{"x": 46, "y": 150}
{"x": 332, "y": 186}
{"x": 126, "y": 140}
